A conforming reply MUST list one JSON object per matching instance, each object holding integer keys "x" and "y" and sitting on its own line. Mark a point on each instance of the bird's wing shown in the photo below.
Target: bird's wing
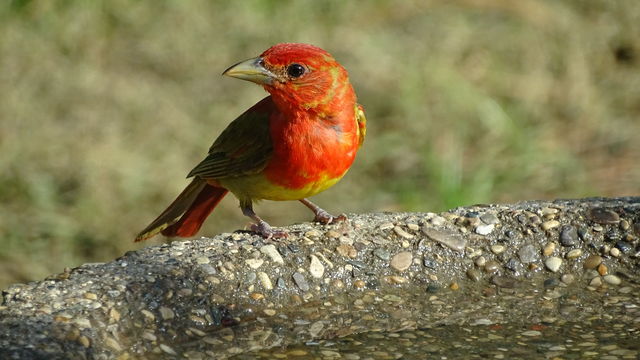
{"x": 243, "y": 148}
{"x": 362, "y": 123}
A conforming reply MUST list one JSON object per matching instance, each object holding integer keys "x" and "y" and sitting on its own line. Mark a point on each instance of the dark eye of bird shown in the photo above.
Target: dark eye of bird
{"x": 295, "y": 70}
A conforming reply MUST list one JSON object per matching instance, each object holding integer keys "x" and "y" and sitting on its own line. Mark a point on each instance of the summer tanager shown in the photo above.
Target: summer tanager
{"x": 291, "y": 145}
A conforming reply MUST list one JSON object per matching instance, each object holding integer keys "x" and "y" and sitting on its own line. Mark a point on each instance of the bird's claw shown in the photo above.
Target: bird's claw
{"x": 266, "y": 231}
{"x": 325, "y": 218}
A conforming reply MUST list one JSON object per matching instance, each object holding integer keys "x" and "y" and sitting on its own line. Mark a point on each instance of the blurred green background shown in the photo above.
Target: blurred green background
{"x": 106, "y": 105}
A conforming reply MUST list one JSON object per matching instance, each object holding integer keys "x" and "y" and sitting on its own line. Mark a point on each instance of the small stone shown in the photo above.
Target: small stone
{"x": 413, "y": 227}
{"x": 551, "y": 283}
{"x": 503, "y": 282}
{"x": 549, "y": 211}
{"x": 148, "y": 314}
{"x": 401, "y": 261}
{"x": 112, "y": 343}
{"x": 265, "y": 281}
{"x": 615, "y": 252}
{"x": 489, "y": 292}
{"x": 454, "y": 286}
{"x": 473, "y": 253}
{"x": 400, "y": 232}
{"x": 429, "y": 263}
{"x": 254, "y": 263}
{"x": 208, "y": 269}
{"x": 472, "y": 220}
{"x": 300, "y": 281}
{"x": 297, "y": 352}
{"x": 90, "y": 296}
{"x": 612, "y": 280}
{"x": 313, "y": 234}
{"x": 72, "y": 335}
{"x": 596, "y": 282}
{"x": 332, "y": 234}
{"x": 484, "y": 229}
{"x": 271, "y": 251}
{"x": 382, "y": 253}
{"x": 480, "y": 261}
{"x": 202, "y": 260}
{"x": 591, "y": 273}
{"x": 550, "y": 224}
{"x": 532, "y": 333}
{"x": 446, "y": 237}
{"x": 613, "y": 235}
{"x": 437, "y": 220}
{"x": 592, "y": 262}
{"x": 568, "y": 235}
{"x": 166, "y": 313}
{"x": 513, "y": 265}
{"x": 114, "y": 314}
{"x": 549, "y": 248}
{"x": 393, "y": 279}
{"x": 432, "y": 288}
{"x": 497, "y": 249}
{"x": 602, "y": 269}
{"x": 386, "y": 226}
{"x": 148, "y": 335}
{"x": 257, "y": 296}
{"x": 185, "y": 292}
{"x": 338, "y": 284}
{"x": 528, "y": 254}
{"x": 269, "y": 312}
{"x": 474, "y": 274}
{"x": 197, "y": 332}
{"x": 489, "y": 218}
{"x": 604, "y": 216}
{"x": 574, "y": 254}
{"x": 316, "y": 269}
{"x": 250, "y": 277}
{"x": 481, "y": 322}
{"x": 628, "y": 290}
{"x": 491, "y": 266}
{"x": 624, "y": 247}
{"x": 84, "y": 341}
{"x": 567, "y": 278}
{"x": 345, "y": 240}
{"x": 347, "y": 250}
{"x": 167, "y": 349}
{"x": 359, "y": 284}
{"x": 553, "y": 263}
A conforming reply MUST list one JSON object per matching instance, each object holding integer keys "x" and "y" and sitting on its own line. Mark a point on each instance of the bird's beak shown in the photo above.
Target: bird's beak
{"x": 251, "y": 70}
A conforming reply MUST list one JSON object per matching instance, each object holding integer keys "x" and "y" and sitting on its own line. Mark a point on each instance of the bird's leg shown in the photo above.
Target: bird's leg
{"x": 322, "y": 216}
{"x": 260, "y": 226}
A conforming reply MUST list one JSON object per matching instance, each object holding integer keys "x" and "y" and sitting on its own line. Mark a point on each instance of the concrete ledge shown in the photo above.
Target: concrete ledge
{"x": 236, "y": 293}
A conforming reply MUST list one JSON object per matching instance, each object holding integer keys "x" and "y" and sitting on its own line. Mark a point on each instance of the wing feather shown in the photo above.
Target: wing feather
{"x": 243, "y": 148}
{"x": 362, "y": 123}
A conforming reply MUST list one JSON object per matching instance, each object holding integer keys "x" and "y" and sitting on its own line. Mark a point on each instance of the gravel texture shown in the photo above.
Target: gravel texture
{"x": 532, "y": 280}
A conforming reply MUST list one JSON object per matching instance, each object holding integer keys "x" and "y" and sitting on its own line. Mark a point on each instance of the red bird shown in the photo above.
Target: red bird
{"x": 291, "y": 145}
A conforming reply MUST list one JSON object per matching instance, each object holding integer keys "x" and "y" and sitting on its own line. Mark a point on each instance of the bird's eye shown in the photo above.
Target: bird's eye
{"x": 296, "y": 70}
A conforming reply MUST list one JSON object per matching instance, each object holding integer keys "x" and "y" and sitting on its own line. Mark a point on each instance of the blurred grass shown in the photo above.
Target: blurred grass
{"x": 106, "y": 105}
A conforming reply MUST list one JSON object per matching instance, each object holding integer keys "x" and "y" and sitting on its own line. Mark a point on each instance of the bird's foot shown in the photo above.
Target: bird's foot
{"x": 325, "y": 218}
{"x": 265, "y": 230}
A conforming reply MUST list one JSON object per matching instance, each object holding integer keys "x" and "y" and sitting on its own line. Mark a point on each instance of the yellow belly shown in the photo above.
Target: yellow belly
{"x": 257, "y": 187}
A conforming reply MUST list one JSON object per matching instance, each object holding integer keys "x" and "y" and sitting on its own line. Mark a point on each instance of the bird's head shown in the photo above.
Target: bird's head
{"x": 298, "y": 75}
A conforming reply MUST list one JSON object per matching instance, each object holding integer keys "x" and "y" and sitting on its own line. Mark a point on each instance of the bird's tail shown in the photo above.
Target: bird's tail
{"x": 187, "y": 212}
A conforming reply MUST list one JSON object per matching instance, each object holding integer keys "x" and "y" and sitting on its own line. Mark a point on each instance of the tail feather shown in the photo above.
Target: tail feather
{"x": 185, "y": 215}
